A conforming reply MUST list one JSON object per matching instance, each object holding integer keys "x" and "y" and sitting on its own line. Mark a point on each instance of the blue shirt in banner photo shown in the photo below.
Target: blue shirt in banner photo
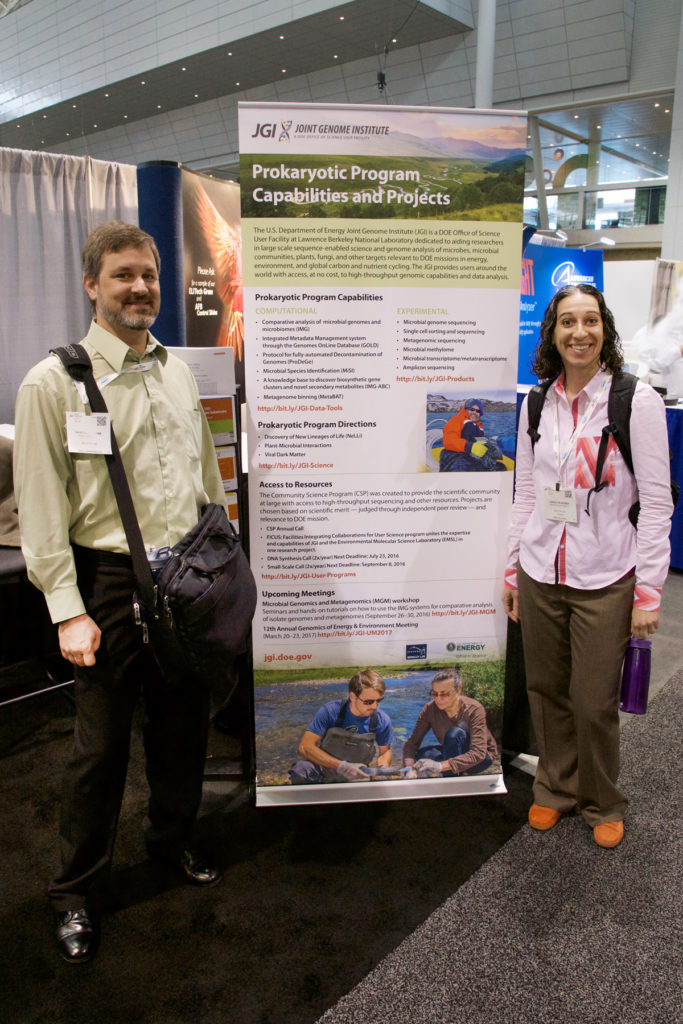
{"x": 326, "y": 718}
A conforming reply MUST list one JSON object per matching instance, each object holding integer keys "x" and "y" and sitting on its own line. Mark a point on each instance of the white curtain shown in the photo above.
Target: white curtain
{"x": 48, "y": 205}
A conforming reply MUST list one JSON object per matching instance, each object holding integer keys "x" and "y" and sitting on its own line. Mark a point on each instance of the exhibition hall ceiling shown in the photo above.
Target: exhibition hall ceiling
{"x": 632, "y": 134}
{"x": 350, "y": 32}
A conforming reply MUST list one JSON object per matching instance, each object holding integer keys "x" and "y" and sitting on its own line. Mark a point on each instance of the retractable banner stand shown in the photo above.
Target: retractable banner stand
{"x": 382, "y": 251}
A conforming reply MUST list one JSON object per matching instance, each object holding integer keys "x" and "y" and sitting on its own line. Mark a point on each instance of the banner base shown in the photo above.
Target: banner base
{"x": 363, "y": 792}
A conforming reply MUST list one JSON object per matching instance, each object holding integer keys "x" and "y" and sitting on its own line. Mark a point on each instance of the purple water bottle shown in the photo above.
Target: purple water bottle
{"x": 635, "y": 680}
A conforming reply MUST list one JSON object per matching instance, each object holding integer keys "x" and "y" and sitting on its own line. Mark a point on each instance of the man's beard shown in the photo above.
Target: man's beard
{"x": 124, "y": 317}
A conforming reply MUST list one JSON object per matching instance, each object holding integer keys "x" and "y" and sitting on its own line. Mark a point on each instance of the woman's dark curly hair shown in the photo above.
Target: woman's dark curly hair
{"x": 546, "y": 360}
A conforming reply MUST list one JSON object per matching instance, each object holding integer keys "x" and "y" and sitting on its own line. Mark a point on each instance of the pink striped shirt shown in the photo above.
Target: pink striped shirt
{"x": 601, "y": 547}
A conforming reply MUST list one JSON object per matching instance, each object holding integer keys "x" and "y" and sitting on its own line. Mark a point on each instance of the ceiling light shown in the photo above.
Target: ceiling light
{"x": 576, "y": 117}
{"x": 183, "y": 69}
{"x": 284, "y": 71}
{"x": 107, "y": 95}
{"x": 73, "y": 106}
{"x": 158, "y": 106}
{"x": 657, "y": 104}
{"x": 341, "y": 17}
{"x": 18, "y": 126}
{"x": 335, "y": 56}
{"x": 282, "y": 37}
{"x": 94, "y": 126}
{"x": 196, "y": 95}
{"x": 44, "y": 116}
{"x": 666, "y": 110}
{"x": 229, "y": 53}
{"x": 125, "y": 116}
{"x": 143, "y": 82}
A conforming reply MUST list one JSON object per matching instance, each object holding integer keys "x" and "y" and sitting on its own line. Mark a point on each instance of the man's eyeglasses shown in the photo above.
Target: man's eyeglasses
{"x": 441, "y": 693}
{"x": 375, "y": 700}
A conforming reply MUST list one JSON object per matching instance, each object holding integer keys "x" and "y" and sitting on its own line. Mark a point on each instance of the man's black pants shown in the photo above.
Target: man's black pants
{"x": 175, "y": 733}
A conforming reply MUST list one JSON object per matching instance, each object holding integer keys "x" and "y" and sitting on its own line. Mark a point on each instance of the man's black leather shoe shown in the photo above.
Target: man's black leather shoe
{"x": 197, "y": 870}
{"x": 77, "y": 936}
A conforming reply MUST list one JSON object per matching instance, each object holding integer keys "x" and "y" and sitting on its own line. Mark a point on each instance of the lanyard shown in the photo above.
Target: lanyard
{"x": 561, "y": 457}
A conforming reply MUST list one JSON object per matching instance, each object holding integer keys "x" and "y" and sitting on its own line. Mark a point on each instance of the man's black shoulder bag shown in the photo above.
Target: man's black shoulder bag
{"x": 196, "y": 610}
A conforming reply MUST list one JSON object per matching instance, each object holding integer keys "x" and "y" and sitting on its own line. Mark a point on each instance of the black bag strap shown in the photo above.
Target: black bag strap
{"x": 78, "y": 365}
{"x": 619, "y": 402}
{"x": 607, "y": 432}
{"x": 535, "y": 403}
{"x": 621, "y": 391}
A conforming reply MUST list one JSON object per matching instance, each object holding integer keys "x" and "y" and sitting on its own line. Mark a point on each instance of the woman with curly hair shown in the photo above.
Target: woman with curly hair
{"x": 579, "y": 577}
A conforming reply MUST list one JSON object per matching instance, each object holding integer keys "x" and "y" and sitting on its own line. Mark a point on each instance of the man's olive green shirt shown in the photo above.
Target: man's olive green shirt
{"x": 165, "y": 444}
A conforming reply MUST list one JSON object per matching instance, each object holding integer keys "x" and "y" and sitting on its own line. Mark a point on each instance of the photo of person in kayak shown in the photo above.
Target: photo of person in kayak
{"x": 466, "y": 448}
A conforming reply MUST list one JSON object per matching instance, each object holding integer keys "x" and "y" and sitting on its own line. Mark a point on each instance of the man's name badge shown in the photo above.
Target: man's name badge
{"x": 88, "y": 433}
{"x": 559, "y": 506}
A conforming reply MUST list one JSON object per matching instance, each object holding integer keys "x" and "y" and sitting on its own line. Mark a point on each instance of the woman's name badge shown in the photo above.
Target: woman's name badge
{"x": 88, "y": 434}
{"x": 559, "y": 506}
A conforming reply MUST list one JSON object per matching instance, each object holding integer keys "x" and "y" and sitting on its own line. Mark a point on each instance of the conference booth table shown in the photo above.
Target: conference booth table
{"x": 674, "y": 423}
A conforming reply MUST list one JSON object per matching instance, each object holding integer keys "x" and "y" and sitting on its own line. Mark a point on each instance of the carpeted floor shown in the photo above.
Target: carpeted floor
{"x": 313, "y": 899}
{"x": 447, "y": 911}
{"x": 554, "y": 930}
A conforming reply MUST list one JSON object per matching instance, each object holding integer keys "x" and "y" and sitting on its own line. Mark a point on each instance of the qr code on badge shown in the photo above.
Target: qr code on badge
{"x": 101, "y": 421}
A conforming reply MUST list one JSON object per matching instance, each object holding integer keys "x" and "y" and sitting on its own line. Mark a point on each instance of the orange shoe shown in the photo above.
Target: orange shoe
{"x": 609, "y": 835}
{"x": 543, "y": 818}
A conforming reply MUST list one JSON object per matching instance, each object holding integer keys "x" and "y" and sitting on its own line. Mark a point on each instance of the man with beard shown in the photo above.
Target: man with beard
{"x": 76, "y": 553}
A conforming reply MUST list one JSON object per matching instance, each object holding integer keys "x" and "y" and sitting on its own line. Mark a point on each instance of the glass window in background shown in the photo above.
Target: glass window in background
{"x": 603, "y": 145}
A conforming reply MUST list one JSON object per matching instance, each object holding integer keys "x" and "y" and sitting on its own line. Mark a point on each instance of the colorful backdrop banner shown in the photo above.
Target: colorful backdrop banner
{"x": 381, "y": 254}
{"x": 212, "y": 266}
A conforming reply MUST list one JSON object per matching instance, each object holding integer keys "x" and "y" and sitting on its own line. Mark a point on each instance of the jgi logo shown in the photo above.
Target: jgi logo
{"x": 266, "y": 131}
